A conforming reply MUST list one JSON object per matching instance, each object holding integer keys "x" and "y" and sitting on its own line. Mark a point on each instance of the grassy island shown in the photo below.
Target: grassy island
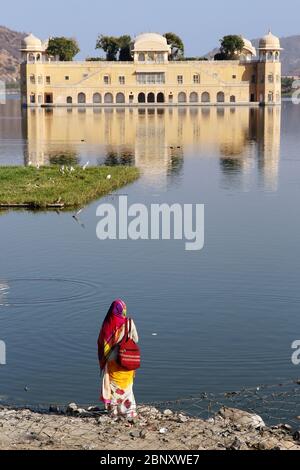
{"x": 60, "y": 187}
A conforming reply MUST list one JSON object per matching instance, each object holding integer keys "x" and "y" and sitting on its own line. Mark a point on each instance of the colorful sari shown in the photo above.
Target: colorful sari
{"x": 117, "y": 383}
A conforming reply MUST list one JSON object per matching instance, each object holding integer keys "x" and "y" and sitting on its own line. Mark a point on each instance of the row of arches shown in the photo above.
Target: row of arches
{"x": 205, "y": 97}
{"x": 151, "y": 97}
{"x": 183, "y": 98}
{"x": 108, "y": 98}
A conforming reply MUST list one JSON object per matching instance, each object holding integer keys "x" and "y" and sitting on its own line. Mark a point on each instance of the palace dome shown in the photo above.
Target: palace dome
{"x": 151, "y": 42}
{"x": 248, "y": 46}
{"x": 270, "y": 42}
{"x": 32, "y": 43}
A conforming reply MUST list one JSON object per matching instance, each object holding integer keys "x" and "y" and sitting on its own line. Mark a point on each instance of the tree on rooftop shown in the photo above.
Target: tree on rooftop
{"x": 231, "y": 47}
{"x": 176, "y": 44}
{"x": 110, "y": 45}
{"x": 65, "y": 48}
{"x": 125, "y": 48}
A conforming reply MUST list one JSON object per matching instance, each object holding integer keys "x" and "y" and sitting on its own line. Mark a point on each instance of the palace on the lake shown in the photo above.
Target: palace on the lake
{"x": 152, "y": 78}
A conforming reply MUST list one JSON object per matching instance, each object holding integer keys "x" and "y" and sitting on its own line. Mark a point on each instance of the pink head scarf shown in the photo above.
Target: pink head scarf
{"x": 108, "y": 338}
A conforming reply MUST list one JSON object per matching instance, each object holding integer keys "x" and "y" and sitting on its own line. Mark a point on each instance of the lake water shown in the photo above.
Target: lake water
{"x": 225, "y": 317}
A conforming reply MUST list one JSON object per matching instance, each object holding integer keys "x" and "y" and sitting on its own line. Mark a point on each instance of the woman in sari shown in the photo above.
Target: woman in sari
{"x": 117, "y": 383}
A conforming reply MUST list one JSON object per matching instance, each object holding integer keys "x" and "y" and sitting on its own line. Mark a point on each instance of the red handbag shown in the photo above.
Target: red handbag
{"x": 129, "y": 356}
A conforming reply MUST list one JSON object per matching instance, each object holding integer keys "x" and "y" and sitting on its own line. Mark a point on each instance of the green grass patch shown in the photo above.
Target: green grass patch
{"x": 50, "y": 186}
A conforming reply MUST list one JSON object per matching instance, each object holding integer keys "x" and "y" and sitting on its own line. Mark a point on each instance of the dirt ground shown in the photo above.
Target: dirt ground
{"x": 154, "y": 430}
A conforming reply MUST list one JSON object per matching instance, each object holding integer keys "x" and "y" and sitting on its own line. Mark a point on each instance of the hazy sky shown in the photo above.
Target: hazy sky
{"x": 200, "y": 23}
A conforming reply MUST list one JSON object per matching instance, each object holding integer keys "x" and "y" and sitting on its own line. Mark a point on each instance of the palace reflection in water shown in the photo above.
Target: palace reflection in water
{"x": 245, "y": 140}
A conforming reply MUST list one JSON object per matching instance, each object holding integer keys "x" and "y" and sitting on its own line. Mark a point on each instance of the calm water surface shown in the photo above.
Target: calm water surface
{"x": 224, "y": 317}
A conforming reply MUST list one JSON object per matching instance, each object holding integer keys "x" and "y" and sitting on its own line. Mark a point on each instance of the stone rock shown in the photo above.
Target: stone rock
{"x": 182, "y": 418}
{"x": 268, "y": 444}
{"x": 94, "y": 409}
{"x": 296, "y": 436}
{"x": 54, "y": 409}
{"x": 236, "y": 445}
{"x": 286, "y": 427}
{"x": 163, "y": 431}
{"x": 103, "y": 419}
{"x": 72, "y": 408}
{"x": 168, "y": 413}
{"x": 148, "y": 410}
{"x": 288, "y": 445}
{"x": 135, "y": 434}
{"x": 242, "y": 418}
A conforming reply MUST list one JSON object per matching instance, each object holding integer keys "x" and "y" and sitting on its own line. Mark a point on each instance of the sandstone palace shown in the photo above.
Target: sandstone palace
{"x": 151, "y": 78}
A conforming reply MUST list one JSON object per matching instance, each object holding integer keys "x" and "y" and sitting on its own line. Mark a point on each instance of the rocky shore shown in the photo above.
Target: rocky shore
{"x": 79, "y": 429}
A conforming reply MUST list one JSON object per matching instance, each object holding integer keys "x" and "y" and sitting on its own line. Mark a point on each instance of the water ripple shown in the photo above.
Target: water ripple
{"x": 31, "y": 291}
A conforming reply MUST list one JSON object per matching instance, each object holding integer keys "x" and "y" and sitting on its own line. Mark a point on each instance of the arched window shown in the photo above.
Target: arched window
{"x": 108, "y": 98}
{"x": 232, "y": 99}
{"x": 81, "y": 98}
{"x": 69, "y": 100}
{"x": 270, "y": 97}
{"x": 277, "y": 56}
{"x": 182, "y": 97}
{"x": 205, "y": 97}
{"x": 220, "y": 97}
{"x": 151, "y": 98}
{"x": 160, "y": 98}
{"x": 32, "y": 98}
{"x": 141, "y": 57}
{"x": 31, "y": 57}
{"x": 97, "y": 99}
{"x": 120, "y": 98}
{"x": 142, "y": 98}
{"x": 38, "y": 57}
{"x": 194, "y": 97}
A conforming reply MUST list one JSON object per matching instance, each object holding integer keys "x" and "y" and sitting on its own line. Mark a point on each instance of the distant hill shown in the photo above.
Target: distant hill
{"x": 10, "y": 43}
{"x": 290, "y": 56}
